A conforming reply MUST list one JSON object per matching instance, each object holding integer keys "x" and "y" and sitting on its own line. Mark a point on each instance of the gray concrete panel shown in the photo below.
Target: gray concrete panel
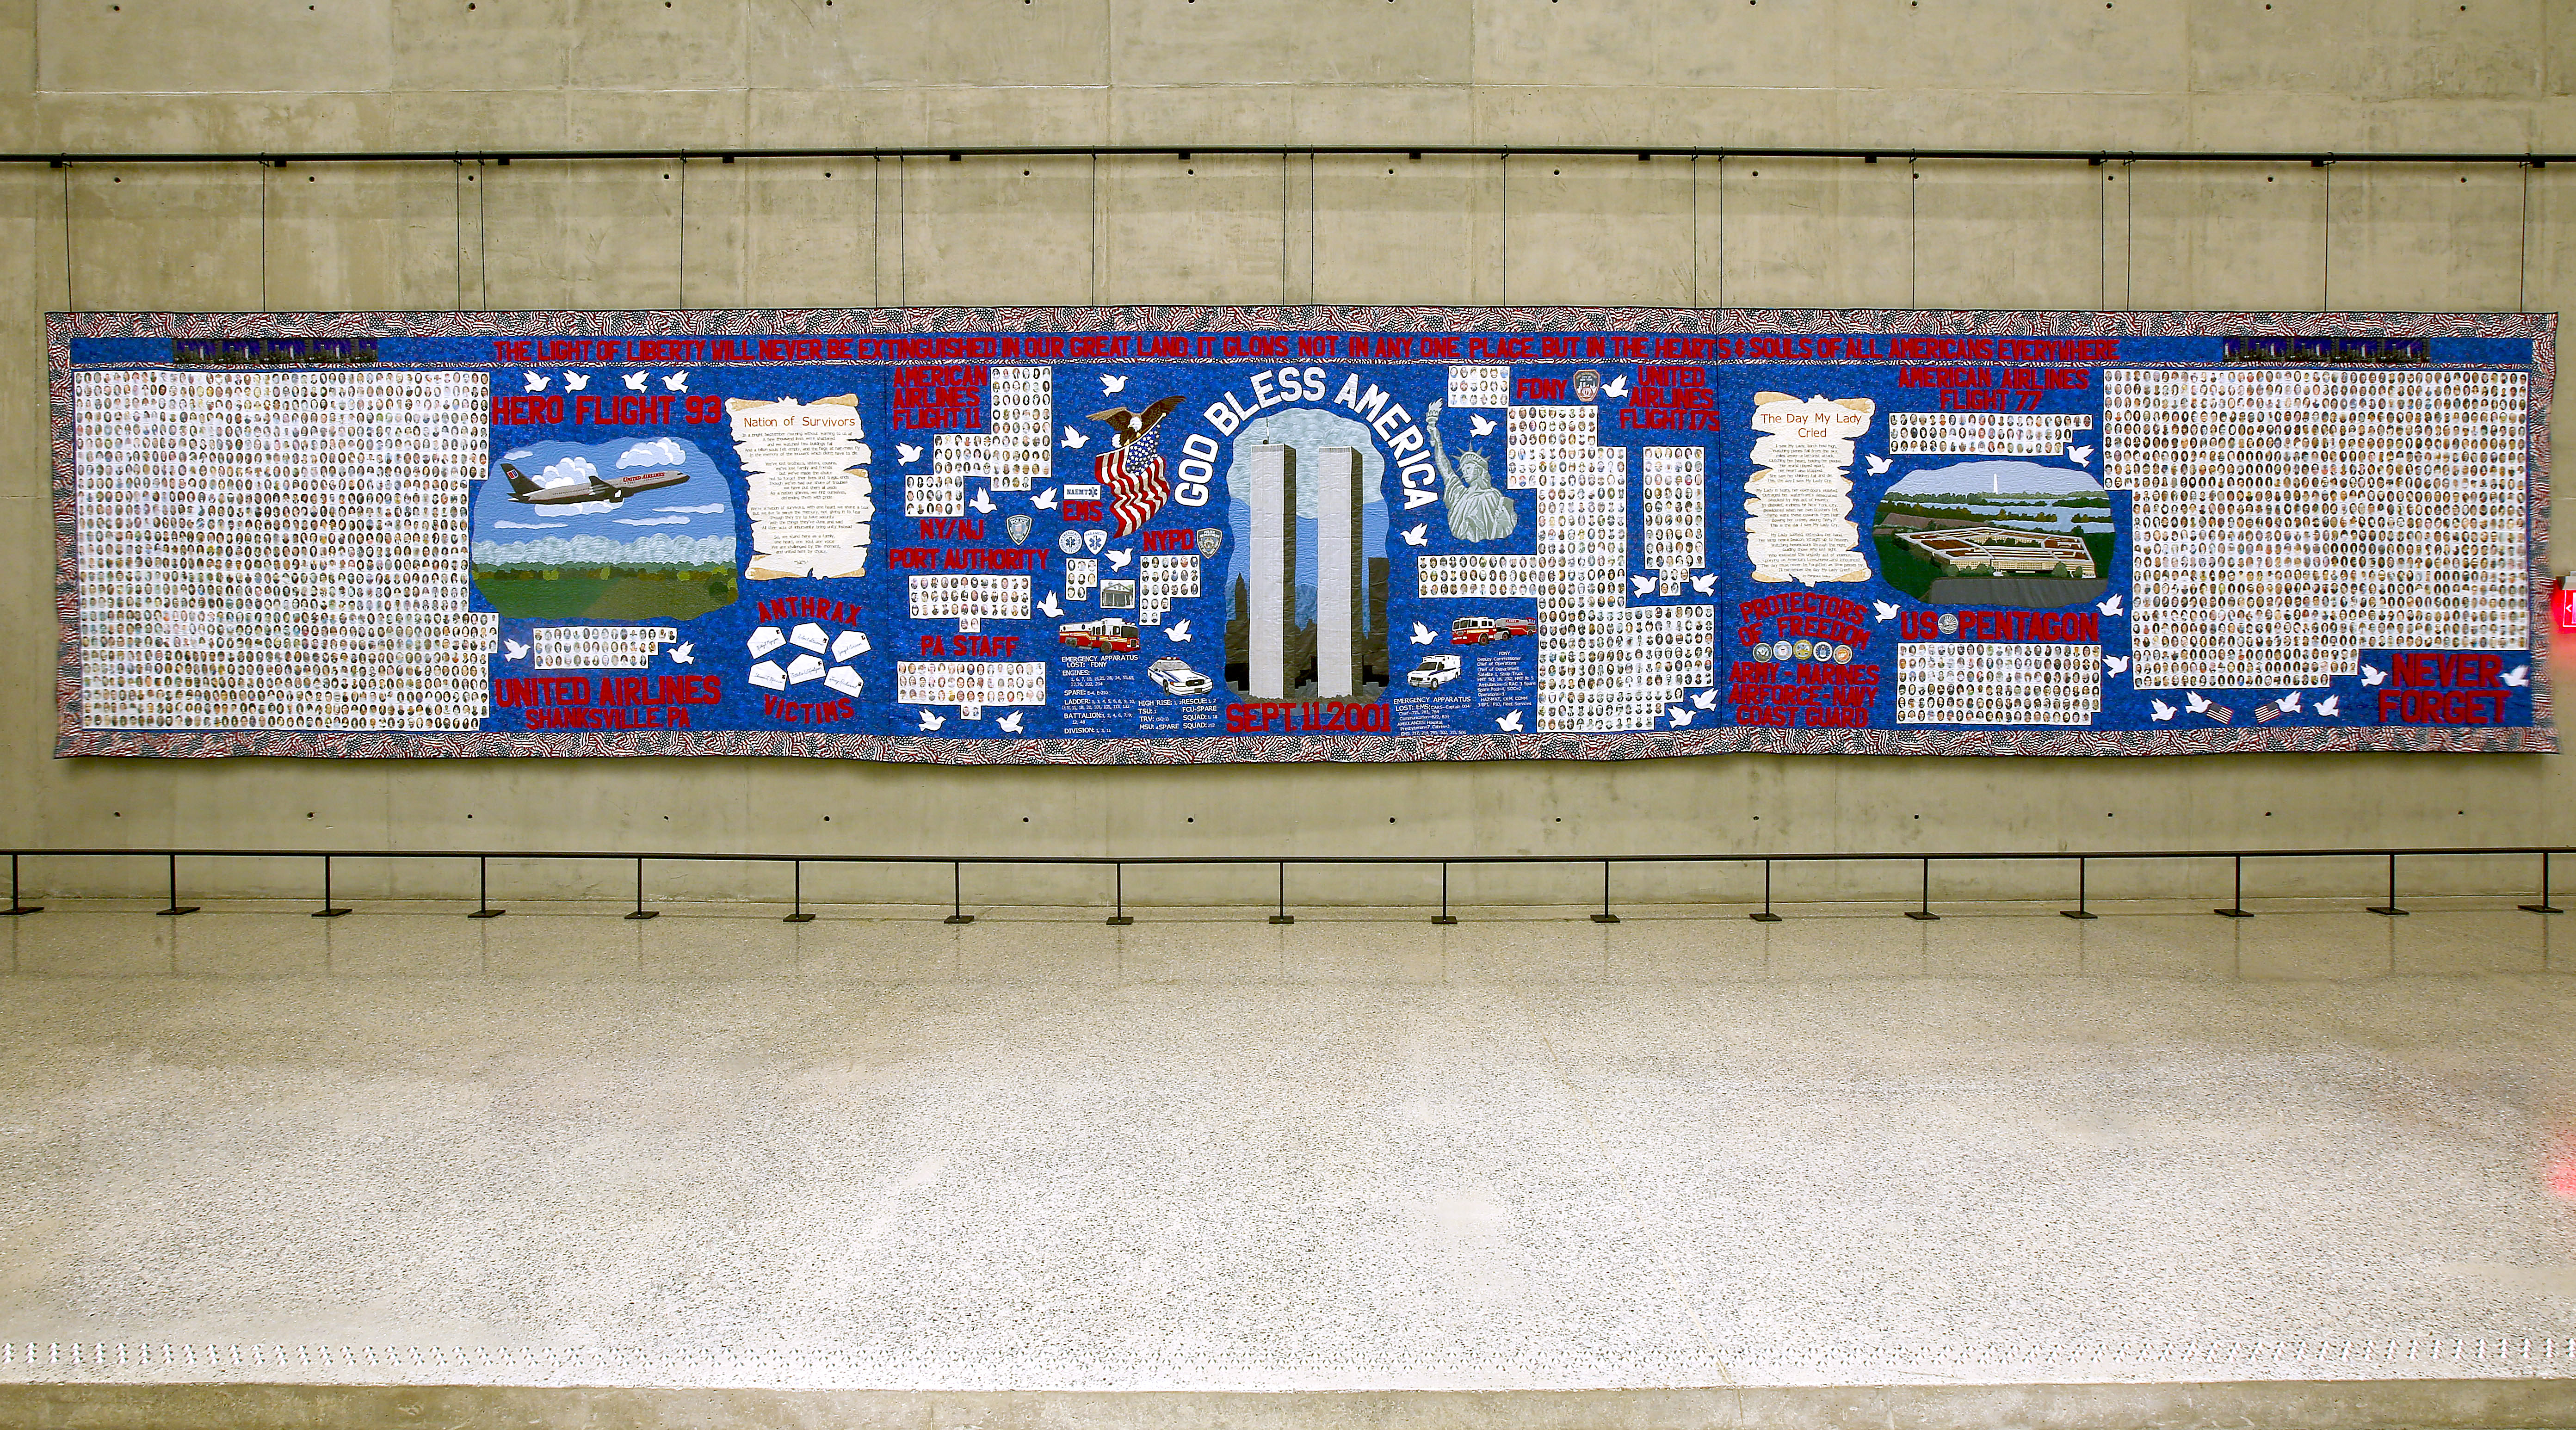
{"x": 991, "y": 44}
{"x": 535, "y": 73}
{"x": 1328, "y": 42}
{"x": 496, "y": 47}
{"x": 162, "y": 46}
{"x": 985, "y": 231}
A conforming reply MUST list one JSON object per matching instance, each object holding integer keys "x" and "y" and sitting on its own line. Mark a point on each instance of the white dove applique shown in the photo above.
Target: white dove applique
{"x": 1112, "y": 386}
{"x": 2080, "y": 456}
{"x": 2116, "y": 664}
{"x": 1706, "y": 699}
{"x": 1878, "y": 466}
{"x": 2518, "y": 676}
{"x": 2110, "y": 607}
{"x": 1479, "y": 426}
{"x": 983, "y": 501}
{"x": 685, "y": 653}
{"x": 930, "y": 721}
{"x": 1886, "y": 611}
{"x": 576, "y": 381}
{"x": 1073, "y": 438}
{"x": 1704, "y": 584}
{"x": 2371, "y": 674}
{"x": 1616, "y": 387}
{"x": 1118, "y": 559}
{"x": 2162, "y": 710}
{"x": 1418, "y": 535}
{"x": 635, "y": 381}
{"x": 535, "y": 383}
{"x": 1009, "y": 724}
{"x": 1678, "y": 715}
{"x": 1049, "y": 607}
{"x": 1044, "y": 501}
{"x": 676, "y": 382}
{"x": 907, "y": 451}
{"x": 1178, "y": 630}
{"x": 2330, "y": 707}
{"x": 515, "y": 650}
{"x": 1645, "y": 584}
{"x": 1510, "y": 722}
{"x": 1424, "y": 635}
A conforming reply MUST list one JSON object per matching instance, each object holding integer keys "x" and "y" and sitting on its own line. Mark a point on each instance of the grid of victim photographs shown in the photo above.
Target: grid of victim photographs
{"x": 278, "y": 550}
{"x": 970, "y": 682}
{"x": 2000, "y": 683}
{"x": 1988, "y": 434}
{"x": 2284, "y": 521}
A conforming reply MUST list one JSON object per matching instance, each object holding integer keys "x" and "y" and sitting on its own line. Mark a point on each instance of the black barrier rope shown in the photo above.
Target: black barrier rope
{"x": 1118, "y": 864}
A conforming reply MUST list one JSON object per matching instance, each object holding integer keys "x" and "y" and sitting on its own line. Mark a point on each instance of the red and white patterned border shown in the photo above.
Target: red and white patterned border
{"x": 72, "y": 740}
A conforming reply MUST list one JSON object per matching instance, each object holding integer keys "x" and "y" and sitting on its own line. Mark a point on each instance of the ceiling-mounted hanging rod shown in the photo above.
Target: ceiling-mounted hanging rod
{"x": 961, "y": 153}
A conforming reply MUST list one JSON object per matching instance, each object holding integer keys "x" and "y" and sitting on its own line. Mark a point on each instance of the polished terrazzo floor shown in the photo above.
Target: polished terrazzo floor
{"x": 1360, "y": 1151}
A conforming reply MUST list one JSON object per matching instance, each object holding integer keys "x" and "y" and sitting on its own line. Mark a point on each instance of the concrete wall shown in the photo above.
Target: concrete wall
{"x": 96, "y": 76}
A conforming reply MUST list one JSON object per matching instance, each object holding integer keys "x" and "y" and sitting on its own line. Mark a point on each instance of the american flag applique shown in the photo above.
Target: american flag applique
{"x": 1137, "y": 488}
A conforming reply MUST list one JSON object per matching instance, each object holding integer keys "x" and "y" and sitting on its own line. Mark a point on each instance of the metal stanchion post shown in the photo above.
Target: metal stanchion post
{"x": 176, "y": 908}
{"x": 1605, "y": 916}
{"x": 1443, "y": 917}
{"x": 327, "y": 911}
{"x": 2543, "y": 907}
{"x": 641, "y": 912}
{"x": 1925, "y": 913}
{"x": 2236, "y": 905}
{"x": 1120, "y": 918}
{"x": 17, "y": 908}
{"x": 1283, "y": 917}
{"x": 800, "y": 916}
{"x": 1766, "y": 916}
{"x": 2390, "y": 909}
{"x": 2079, "y": 911}
{"x": 483, "y": 890}
{"x": 957, "y": 895}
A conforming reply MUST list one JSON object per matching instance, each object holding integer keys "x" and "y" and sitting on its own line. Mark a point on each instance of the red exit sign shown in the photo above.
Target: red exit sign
{"x": 2562, "y": 607}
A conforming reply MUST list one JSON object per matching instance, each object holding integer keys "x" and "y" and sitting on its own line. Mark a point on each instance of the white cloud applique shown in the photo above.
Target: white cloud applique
{"x": 660, "y": 452}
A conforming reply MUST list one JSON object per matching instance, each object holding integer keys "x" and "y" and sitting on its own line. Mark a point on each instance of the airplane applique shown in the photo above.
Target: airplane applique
{"x": 524, "y": 488}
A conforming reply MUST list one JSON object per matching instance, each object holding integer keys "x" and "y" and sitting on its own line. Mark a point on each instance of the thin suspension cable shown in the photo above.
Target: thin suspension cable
{"x": 1503, "y": 227}
{"x": 1283, "y": 230}
{"x": 876, "y": 233}
{"x": 482, "y": 241}
{"x": 456, "y": 182}
{"x": 2325, "y": 259}
{"x": 70, "y": 304}
{"x": 1721, "y": 233}
{"x": 1310, "y": 230}
{"x": 683, "y": 264}
{"x": 2522, "y": 259}
{"x": 263, "y": 238}
{"x": 1694, "y": 197}
{"x": 1913, "y": 181}
{"x": 2129, "y": 260}
{"x": 1092, "y": 222}
{"x": 2102, "y": 242}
